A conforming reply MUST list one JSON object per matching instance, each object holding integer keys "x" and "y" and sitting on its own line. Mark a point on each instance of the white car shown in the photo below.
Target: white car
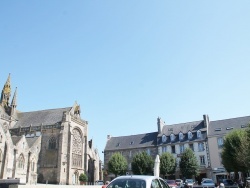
{"x": 138, "y": 181}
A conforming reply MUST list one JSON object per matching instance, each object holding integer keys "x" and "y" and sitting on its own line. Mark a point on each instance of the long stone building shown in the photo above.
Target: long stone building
{"x": 204, "y": 137}
{"x": 45, "y": 146}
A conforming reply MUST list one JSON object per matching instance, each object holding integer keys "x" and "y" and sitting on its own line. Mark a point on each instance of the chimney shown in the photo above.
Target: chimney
{"x": 206, "y": 120}
{"x": 160, "y": 125}
{"x": 108, "y": 137}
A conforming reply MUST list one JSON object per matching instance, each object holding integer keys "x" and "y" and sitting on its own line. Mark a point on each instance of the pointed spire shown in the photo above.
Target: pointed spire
{"x": 14, "y": 100}
{"x": 6, "y": 93}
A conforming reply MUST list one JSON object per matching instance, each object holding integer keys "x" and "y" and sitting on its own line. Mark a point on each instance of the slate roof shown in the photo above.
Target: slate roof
{"x": 183, "y": 127}
{"x": 36, "y": 118}
{"x": 30, "y": 140}
{"x": 222, "y": 127}
{"x": 132, "y": 141}
{"x": 16, "y": 139}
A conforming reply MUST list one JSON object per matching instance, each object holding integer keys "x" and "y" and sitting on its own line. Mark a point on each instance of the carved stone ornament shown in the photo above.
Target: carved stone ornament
{"x": 77, "y": 142}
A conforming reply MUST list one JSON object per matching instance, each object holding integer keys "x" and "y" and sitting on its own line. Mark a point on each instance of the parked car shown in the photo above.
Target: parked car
{"x": 171, "y": 183}
{"x": 248, "y": 182}
{"x": 99, "y": 182}
{"x": 207, "y": 183}
{"x": 138, "y": 181}
{"x": 179, "y": 182}
{"x": 228, "y": 182}
{"x": 189, "y": 183}
{"x": 106, "y": 184}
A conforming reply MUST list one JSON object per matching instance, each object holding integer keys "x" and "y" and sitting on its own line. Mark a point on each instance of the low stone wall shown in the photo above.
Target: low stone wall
{"x": 54, "y": 186}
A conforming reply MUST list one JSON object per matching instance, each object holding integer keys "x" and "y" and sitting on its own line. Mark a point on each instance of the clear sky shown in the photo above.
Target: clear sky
{"x": 126, "y": 62}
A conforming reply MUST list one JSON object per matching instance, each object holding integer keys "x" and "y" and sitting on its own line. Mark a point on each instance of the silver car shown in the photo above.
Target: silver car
{"x": 138, "y": 181}
{"x": 207, "y": 183}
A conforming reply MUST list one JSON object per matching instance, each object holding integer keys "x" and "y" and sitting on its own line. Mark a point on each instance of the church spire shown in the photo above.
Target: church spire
{"x": 14, "y": 102}
{"x": 6, "y": 93}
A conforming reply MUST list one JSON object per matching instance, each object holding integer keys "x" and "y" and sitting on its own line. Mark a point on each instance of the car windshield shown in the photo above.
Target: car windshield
{"x": 208, "y": 181}
{"x": 189, "y": 181}
{"x": 127, "y": 183}
{"x": 177, "y": 180}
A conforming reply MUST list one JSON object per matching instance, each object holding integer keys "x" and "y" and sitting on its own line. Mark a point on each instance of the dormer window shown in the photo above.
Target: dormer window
{"x": 190, "y": 135}
{"x": 180, "y": 136}
{"x": 131, "y": 143}
{"x": 172, "y": 137}
{"x": 118, "y": 144}
{"x": 198, "y": 134}
{"x": 163, "y": 138}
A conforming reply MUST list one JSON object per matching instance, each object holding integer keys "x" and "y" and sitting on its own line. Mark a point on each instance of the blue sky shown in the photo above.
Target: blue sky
{"x": 128, "y": 62}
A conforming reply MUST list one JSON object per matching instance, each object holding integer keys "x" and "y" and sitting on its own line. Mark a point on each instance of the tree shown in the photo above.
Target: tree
{"x": 142, "y": 164}
{"x": 117, "y": 164}
{"x": 83, "y": 178}
{"x": 188, "y": 164}
{"x": 234, "y": 151}
{"x": 167, "y": 163}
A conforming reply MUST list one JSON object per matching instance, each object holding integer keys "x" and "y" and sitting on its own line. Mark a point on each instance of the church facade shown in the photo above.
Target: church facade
{"x": 45, "y": 146}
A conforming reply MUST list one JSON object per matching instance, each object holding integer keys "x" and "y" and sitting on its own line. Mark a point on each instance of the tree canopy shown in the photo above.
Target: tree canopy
{"x": 167, "y": 163}
{"x": 234, "y": 151}
{"x": 142, "y": 164}
{"x": 117, "y": 164}
{"x": 188, "y": 164}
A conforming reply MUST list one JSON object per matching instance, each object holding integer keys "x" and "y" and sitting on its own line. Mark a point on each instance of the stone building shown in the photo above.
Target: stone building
{"x": 204, "y": 137}
{"x": 45, "y": 146}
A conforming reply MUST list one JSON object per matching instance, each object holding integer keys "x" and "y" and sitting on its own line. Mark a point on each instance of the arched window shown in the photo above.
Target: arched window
{"x": 164, "y": 138}
{"x": 52, "y": 143}
{"x": 21, "y": 162}
{"x": 77, "y": 145}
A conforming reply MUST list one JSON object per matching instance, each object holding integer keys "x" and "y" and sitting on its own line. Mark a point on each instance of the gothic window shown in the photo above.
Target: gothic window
{"x": 77, "y": 148}
{"x": 164, "y": 138}
{"x": 52, "y": 143}
{"x": 21, "y": 162}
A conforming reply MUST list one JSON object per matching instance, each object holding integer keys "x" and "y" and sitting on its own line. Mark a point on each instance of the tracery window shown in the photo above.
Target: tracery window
{"x": 77, "y": 148}
{"x": 21, "y": 162}
{"x": 52, "y": 143}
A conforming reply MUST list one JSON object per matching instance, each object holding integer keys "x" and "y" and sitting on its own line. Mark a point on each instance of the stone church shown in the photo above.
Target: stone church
{"x": 45, "y": 146}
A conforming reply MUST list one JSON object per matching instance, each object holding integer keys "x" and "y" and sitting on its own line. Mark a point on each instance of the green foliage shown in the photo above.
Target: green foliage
{"x": 117, "y": 164}
{"x": 167, "y": 163}
{"x": 188, "y": 164}
{"x": 235, "y": 149}
{"x": 142, "y": 164}
{"x": 83, "y": 177}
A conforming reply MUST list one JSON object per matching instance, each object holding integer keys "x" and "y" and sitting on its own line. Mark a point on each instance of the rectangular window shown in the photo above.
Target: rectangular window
{"x": 173, "y": 149}
{"x": 164, "y": 149}
{"x": 148, "y": 151}
{"x": 181, "y": 148}
{"x": 130, "y": 154}
{"x": 202, "y": 160}
{"x": 200, "y": 146}
{"x": 220, "y": 142}
{"x": 191, "y": 146}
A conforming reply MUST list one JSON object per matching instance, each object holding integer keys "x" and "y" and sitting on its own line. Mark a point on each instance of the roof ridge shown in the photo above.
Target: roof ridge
{"x": 184, "y": 123}
{"x": 133, "y": 135}
{"x": 230, "y": 118}
{"x": 46, "y": 110}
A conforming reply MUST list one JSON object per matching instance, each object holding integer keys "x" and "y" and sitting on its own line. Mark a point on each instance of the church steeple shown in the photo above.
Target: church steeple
{"x": 6, "y": 93}
{"x": 14, "y": 103}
